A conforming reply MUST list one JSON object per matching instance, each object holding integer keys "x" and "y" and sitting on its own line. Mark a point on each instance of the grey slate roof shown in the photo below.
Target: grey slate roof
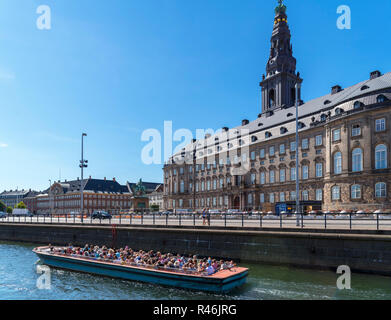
{"x": 344, "y": 99}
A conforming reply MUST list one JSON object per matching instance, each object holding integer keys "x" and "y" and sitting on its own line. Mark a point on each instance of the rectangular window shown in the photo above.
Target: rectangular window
{"x": 250, "y": 199}
{"x": 263, "y": 180}
{"x": 293, "y": 196}
{"x": 272, "y": 176}
{"x": 282, "y": 196}
{"x": 304, "y": 195}
{"x": 336, "y": 135}
{"x": 319, "y": 170}
{"x": 262, "y": 153}
{"x": 304, "y": 144}
{"x": 262, "y": 198}
{"x": 271, "y": 151}
{"x": 336, "y": 193}
{"x": 253, "y": 155}
{"x": 305, "y": 172}
{"x": 293, "y": 146}
{"x": 293, "y": 174}
{"x": 253, "y": 178}
{"x": 282, "y": 148}
{"x": 282, "y": 175}
{"x": 319, "y": 140}
{"x": 272, "y": 200}
{"x": 356, "y": 130}
{"x": 319, "y": 195}
{"x": 380, "y": 125}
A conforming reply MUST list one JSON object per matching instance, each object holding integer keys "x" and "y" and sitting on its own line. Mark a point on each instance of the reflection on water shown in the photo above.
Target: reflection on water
{"x": 18, "y": 278}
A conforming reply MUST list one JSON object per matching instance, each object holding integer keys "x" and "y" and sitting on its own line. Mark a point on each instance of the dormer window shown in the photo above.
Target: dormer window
{"x": 283, "y": 130}
{"x": 357, "y": 105}
{"x": 323, "y": 117}
{"x": 338, "y": 111}
{"x": 268, "y": 134}
{"x": 254, "y": 139}
{"x": 301, "y": 125}
{"x": 365, "y": 87}
{"x": 289, "y": 115}
{"x": 327, "y": 102}
{"x": 260, "y": 124}
{"x": 381, "y": 98}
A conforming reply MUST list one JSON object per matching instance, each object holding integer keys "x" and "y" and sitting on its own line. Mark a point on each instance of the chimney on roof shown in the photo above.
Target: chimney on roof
{"x": 78, "y": 178}
{"x": 207, "y": 136}
{"x": 104, "y": 179}
{"x": 225, "y": 129}
{"x": 375, "y": 74}
{"x": 114, "y": 180}
{"x": 336, "y": 89}
{"x": 245, "y": 122}
{"x": 90, "y": 178}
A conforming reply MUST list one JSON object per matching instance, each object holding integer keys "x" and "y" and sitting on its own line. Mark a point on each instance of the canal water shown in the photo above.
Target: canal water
{"x": 18, "y": 281}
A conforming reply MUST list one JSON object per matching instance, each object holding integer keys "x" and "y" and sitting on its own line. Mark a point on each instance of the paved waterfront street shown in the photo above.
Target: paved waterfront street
{"x": 367, "y": 222}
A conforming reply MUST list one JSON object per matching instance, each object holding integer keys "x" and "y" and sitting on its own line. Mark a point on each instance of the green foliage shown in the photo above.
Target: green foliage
{"x": 3, "y": 207}
{"x": 9, "y": 210}
{"x": 154, "y": 207}
{"x": 21, "y": 205}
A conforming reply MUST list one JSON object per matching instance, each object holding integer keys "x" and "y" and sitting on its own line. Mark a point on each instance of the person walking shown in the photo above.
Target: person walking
{"x": 208, "y": 216}
{"x": 204, "y": 216}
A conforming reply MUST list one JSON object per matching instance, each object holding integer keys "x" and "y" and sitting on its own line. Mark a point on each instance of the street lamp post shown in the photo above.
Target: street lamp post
{"x": 83, "y": 164}
{"x": 297, "y": 87}
{"x": 50, "y": 196}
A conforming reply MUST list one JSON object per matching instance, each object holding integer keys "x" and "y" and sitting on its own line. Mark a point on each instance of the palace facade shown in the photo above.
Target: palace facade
{"x": 344, "y": 148}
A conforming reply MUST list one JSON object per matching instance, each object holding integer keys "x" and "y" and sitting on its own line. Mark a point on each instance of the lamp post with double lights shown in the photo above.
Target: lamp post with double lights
{"x": 83, "y": 164}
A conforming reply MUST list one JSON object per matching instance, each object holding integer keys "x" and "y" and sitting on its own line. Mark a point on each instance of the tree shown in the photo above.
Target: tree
{"x": 154, "y": 207}
{"x": 21, "y": 205}
{"x": 9, "y": 210}
{"x": 3, "y": 207}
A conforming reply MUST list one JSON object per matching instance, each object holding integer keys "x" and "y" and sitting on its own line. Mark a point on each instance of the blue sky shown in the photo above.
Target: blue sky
{"x": 115, "y": 68}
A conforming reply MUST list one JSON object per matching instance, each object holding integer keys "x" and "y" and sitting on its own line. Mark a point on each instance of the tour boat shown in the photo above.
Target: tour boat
{"x": 220, "y": 282}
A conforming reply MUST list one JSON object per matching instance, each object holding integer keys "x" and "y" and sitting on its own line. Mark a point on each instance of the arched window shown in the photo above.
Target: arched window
{"x": 357, "y": 160}
{"x": 380, "y": 190}
{"x": 336, "y": 193}
{"x": 356, "y": 191}
{"x": 272, "y": 98}
{"x": 338, "y": 163}
{"x": 381, "y": 157}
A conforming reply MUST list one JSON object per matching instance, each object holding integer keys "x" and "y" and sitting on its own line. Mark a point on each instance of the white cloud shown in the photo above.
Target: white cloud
{"x": 3, "y": 145}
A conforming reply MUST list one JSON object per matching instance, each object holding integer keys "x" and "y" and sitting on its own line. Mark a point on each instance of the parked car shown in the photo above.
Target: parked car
{"x": 3, "y": 215}
{"x": 102, "y": 215}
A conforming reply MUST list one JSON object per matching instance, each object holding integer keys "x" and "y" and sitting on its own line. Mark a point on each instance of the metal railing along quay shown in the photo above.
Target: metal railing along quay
{"x": 351, "y": 221}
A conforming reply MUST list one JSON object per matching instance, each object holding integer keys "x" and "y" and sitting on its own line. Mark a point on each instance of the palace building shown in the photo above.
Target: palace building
{"x": 344, "y": 147}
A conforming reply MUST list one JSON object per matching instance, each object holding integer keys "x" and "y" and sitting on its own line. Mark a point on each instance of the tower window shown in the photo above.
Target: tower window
{"x": 272, "y": 98}
{"x": 293, "y": 95}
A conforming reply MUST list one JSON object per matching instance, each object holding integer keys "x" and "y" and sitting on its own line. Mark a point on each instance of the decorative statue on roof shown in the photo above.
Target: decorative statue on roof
{"x": 139, "y": 188}
{"x": 281, "y": 8}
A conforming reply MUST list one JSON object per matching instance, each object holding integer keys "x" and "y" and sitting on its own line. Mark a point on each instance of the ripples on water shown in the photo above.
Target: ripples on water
{"x": 18, "y": 281}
